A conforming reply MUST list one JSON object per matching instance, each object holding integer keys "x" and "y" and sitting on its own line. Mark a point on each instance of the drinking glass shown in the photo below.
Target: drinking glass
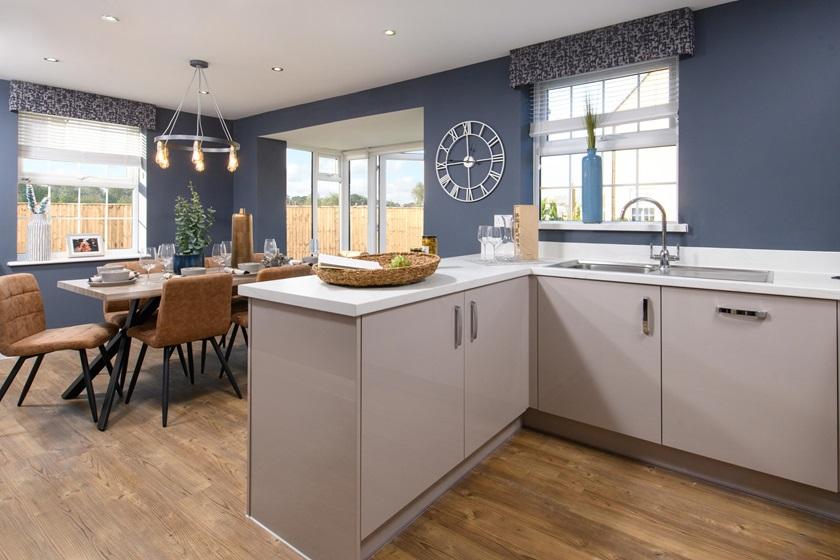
{"x": 219, "y": 254}
{"x": 166, "y": 252}
{"x": 314, "y": 247}
{"x": 494, "y": 238}
{"x": 270, "y": 247}
{"x": 228, "y": 251}
{"x": 483, "y": 238}
{"x": 148, "y": 262}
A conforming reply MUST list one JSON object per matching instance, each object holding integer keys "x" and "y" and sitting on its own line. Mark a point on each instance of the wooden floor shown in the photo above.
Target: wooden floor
{"x": 141, "y": 491}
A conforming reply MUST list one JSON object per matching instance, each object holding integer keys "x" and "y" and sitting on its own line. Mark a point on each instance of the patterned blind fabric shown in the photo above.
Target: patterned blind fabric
{"x": 645, "y": 39}
{"x": 48, "y": 100}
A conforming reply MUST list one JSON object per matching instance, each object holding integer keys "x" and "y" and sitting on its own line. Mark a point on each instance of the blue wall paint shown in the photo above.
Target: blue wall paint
{"x": 63, "y": 308}
{"x": 759, "y": 121}
{"x": 477, "y": 92}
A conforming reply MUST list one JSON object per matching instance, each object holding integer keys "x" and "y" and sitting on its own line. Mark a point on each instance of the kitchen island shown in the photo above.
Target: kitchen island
{"x": 368, "y": 404}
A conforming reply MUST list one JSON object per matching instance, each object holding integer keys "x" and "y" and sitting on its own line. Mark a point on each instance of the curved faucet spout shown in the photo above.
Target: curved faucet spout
{"x": 664, "y": 255}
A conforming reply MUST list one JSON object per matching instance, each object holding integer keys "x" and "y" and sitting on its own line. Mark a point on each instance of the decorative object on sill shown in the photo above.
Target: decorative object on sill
{"x": 593, "y": 181}
{"x": 548, "y": 211}
{"x": 85, "y": 245}
{"x": 526, "y": 232}
{"x": 275, "y": 260}
{"x": 470, "y": 161}
{"x": 192, "y": 226}
{"x": 242, "y": 238}
{"x": 640, "y": 40}
{"x": 430, "y": 242}
{"x": 60, "y": 102}
{"x": 196, "y": 142}
{"x": 38, "y": 230}
{"x": 420, "y": 267}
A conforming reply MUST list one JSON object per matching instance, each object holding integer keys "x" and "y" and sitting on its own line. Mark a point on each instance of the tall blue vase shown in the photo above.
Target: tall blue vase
{"x": 186, "y": 261}
{"x": 593, "y": 188}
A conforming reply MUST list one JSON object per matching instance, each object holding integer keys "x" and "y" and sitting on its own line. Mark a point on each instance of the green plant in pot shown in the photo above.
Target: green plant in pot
{"x": 192, "y": 226}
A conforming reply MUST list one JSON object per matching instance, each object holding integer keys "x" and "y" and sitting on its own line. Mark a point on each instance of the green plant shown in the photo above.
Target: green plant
{"x": 548, "y": 210}
{"x": 590, "y": 120}
{"x": 34, "y": 206}
{"x": 192, "y": 223}
{"x": 400, "y": 261}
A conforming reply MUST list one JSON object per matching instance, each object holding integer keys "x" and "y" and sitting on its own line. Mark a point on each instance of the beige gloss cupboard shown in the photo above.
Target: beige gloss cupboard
{"x": 752, "y": 380}
{"x": 599, "y": 354}
{"x": 439, "y": 379}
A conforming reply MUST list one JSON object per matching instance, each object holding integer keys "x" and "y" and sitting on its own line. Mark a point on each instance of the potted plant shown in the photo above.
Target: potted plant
{"x": 192, "y": 226}
{"x": 38, "y": 230}
{"x": 593, "y": 189}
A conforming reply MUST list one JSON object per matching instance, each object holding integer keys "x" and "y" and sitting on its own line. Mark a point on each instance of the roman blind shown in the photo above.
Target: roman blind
{"x": 47, "y": 137}
{"x": 637, "y": 107}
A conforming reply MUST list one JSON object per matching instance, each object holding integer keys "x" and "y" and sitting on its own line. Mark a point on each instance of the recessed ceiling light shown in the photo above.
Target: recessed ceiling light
{"x": 277, "y": 68}
{"x": 110, "y": 19}
{"x": 390, "y": 32}
{"x": 203, "y": 91}
{"x": 51, "y": 59}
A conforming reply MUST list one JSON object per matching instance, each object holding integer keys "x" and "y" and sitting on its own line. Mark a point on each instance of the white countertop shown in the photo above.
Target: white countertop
{"x": 463, "y": 273}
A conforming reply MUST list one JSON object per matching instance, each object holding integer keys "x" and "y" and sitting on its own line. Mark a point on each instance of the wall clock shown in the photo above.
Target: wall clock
{"x": 470, "y": 161}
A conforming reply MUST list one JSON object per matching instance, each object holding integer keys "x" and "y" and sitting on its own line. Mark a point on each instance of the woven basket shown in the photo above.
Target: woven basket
{"x": 422, "y": 266}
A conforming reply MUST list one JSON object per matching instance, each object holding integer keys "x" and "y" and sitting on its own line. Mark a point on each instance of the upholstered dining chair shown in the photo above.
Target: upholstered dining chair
{"x": 192, "y": 308}
{"x": 23, "y": 334}
{"x": 239, "y": 313}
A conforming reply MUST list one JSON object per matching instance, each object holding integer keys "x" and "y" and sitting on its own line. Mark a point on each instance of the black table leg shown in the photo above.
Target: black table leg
{"x": 111, "y": 348}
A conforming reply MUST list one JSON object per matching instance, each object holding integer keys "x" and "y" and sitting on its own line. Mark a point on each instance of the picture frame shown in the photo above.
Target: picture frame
{"x": 85, "y": 245}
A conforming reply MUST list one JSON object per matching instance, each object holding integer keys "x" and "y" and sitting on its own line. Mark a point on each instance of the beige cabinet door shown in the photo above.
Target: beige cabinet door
{"x": 412, "y": 403}
{"x": 752, "y": 390}
{"x": 496, "y": 370}
{"x": 599, "y": 360}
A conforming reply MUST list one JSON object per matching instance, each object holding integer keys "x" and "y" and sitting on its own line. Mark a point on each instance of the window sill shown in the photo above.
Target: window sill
{"x": 110, "y": 256}
{"x": 655, "y": 227}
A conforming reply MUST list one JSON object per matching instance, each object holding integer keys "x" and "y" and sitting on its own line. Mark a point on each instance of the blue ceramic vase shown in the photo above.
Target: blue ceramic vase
{"x": 186, "y": 261}
{"x": 593, "y": 188}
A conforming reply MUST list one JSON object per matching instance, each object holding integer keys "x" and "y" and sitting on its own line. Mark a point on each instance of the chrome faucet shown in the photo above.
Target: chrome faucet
{"x": 665, "y": 257}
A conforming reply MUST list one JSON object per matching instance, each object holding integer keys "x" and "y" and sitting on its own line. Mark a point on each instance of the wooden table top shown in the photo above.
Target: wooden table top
{"x": 139, "y": 290}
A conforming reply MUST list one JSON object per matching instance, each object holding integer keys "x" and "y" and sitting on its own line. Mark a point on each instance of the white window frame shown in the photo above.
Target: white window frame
{"x": 135, "y": 181}
{"x": 541, "y": 128}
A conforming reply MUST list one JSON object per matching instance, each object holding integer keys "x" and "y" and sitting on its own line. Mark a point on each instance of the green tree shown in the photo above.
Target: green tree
{"x": 419, "y": 193}
{"x": 328, "y": 200}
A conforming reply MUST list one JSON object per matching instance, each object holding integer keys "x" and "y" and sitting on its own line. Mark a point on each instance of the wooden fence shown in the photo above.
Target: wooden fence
{"x": 404, "y": 229}
{"x": 91, "y": 219}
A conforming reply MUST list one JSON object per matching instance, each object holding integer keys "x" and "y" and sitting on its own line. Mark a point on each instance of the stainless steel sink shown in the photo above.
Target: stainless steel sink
{"x": 732, "y": 274}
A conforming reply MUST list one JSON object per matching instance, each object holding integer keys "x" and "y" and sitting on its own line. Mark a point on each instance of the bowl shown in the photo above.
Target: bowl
{"x": 109, "y": 266}
{"x": 115, "y": 274}
{"x": 251, "y": 266}
{"x": 193, "y": 271}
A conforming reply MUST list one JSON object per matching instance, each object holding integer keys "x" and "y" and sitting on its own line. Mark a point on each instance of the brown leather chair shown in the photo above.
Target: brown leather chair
{"x": 116, "y": 312}
{"x": 24, "y": 334}
{"x": 193, "y": 308}
{"x": 239, "y": 315}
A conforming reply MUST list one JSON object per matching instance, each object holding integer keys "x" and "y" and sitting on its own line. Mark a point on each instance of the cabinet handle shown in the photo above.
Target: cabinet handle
{"x": 473, "y": 321}
{"x": 745, "y": 313}
{"x": 459, "y": 327}
{"x": 645, "y": 316}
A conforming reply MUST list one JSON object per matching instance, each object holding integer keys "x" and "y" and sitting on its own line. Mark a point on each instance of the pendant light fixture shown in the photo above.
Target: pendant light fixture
{"x": 198, "y": 143}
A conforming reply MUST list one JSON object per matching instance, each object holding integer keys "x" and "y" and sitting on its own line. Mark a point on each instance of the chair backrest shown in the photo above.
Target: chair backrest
{"x": 280, "y": 272}
{"x": 194, "y": 308}
{"x": 21, "y": 309}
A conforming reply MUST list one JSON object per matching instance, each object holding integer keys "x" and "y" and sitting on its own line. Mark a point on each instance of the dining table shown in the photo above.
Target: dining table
{"x": 143, "y": 295}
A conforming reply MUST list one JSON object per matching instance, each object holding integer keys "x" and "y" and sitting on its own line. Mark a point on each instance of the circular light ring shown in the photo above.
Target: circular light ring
{"x": 225, "y": 145}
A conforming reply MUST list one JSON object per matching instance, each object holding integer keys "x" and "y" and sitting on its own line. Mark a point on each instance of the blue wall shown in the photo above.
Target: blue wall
{"x": 478, "y": 92}
{"x": 63, "y": 308}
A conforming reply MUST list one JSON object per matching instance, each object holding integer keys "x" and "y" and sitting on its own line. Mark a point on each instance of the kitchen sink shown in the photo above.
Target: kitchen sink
{"x": 711, "y": 273}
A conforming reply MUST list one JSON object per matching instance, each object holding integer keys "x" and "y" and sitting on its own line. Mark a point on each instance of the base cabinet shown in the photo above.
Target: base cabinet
{"x": 599, "y": 354}
{"x": 752, "y": 380}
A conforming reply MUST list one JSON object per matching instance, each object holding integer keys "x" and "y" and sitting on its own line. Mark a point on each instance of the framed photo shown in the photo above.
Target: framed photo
{"x": 85, "y": 245}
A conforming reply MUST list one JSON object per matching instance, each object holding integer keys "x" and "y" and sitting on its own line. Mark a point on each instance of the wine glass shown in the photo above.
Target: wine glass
{"x": 228, "y": 251}
{"x": 270, "y": 247}
{"x": 219, "y": 254}
{"x": 494, "y": 238}
{"x": 166, "y": 252}
{"x": 148, "y": 262}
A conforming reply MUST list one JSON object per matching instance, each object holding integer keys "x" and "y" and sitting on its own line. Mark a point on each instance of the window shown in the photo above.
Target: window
{"x": 91, "y": 172}
{"x": 637, "y": 139}
{"x": 306, "y": 170}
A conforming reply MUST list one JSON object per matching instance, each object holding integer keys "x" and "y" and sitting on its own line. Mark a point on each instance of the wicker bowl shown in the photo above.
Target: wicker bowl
{"x": 422, "y": 266}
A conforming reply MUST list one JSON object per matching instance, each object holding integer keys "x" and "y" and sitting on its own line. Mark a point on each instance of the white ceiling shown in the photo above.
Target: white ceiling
{"x": 385, "y": 129}
{"x": 327, "y": 47}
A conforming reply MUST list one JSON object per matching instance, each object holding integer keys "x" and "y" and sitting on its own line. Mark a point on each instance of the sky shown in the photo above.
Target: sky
{"x": 402, "y": 175}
